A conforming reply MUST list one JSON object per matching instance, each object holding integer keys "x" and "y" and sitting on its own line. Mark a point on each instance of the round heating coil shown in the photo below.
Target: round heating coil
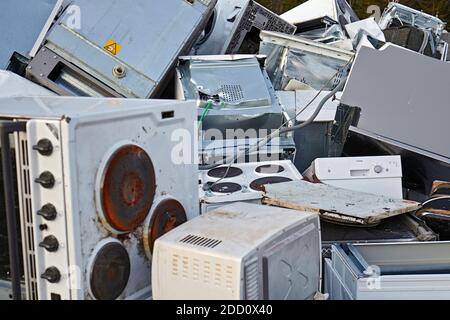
{"x": 226, "y": 187}
{"x": 220, "y": 172}
{"x": 109, "y": 271}
{"x": 258, "y": 185}
{"x": 128, "y": 188}
{"x": 166, "y": 216}
{"x": 270, "y": 169}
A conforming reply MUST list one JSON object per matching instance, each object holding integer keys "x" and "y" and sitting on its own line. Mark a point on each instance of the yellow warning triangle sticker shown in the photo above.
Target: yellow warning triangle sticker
{"x": 112, "y": 47}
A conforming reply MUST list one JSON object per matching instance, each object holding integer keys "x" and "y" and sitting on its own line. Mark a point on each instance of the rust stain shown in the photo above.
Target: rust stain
{"x": 128, "y": 189}
{"x": 168, "y": 215}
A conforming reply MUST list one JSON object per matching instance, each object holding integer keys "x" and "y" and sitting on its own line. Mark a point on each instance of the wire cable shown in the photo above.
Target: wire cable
{"x": 264, "y": 141}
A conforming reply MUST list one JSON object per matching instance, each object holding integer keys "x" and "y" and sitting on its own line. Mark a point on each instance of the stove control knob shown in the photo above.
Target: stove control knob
{"x": 46, "y": 180}
{"x": 50, "y": 244}
{"x": 378, "y": 169}
{"x": 44, "y": 147}
{"x": 52, "y": 275}
{"x": 48, "y": 212}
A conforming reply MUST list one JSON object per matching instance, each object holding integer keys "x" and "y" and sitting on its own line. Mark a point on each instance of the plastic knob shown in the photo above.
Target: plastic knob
{"x": 50, "y": 244}
{"x": 46, "y": 180}
{"x": 52, "y": 275}
{"x": 378, "y": 169}
{"x": 48, "y": 212}
{"x": 44, "y": 147}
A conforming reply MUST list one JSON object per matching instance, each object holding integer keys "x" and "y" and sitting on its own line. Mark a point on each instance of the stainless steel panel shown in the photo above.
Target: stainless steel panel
{"x": 239, "y": 88}
{"x": 150, "y": 35}
{"x": 402, "y": 98}
{"x": 235, "y": 25}
{"x": 295, "y": 63}
{"x": 393, "y": 271}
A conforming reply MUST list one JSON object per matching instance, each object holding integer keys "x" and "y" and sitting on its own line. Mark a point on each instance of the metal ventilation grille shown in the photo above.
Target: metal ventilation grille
{"x": 201, "y": 241}
{"x": 251, "y": 280}
{"x": 232, "y": 93}
{"x": 27, "y": 217}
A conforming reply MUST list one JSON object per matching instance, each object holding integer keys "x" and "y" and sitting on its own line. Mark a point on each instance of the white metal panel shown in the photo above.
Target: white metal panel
{"x": 186, "y": 265}
{"x": 27, "y": 107}
{"x": 51, "y": 130}
{"x": 368, "y": 26}
{"x": 81, "y": 142}
{"x": 311, "y": 10}
{"x": 12, "y": 85}
{"x": 376, "y": 175}
{"x": 242, "y": 226}
{"x": 148, "y": 130}
{"x": 210, "y": 200}
{"x": 410, "y": 105}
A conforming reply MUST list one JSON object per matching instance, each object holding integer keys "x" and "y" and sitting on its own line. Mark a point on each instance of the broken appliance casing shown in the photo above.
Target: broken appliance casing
{"x": 234, "y": 28}
{"x": 318, "y": 28}
{"x": 243, "y": 182}
{"x": 296, "y": 63}
{"x": 376, "y": 175}
{"x": 338, "y": 10}
{"x": 406, "y": 15}
{"x": 240, "y": 252}
{"x": 129, "y": 46}
{"x": 399, "y": 21}
{"x": 92, "y": 179}
{"x": 64, "y": 78}
{"x": 241, "y": 93}
{"x": 395, "y": 271}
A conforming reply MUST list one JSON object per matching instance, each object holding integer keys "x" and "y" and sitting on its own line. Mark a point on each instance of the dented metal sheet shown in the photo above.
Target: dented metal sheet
{"x": 335, "y": 204}
{"x": 295, "y": 63}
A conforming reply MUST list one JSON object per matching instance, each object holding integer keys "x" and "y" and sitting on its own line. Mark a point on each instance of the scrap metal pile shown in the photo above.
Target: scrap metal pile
{"x": 212, "y": 149}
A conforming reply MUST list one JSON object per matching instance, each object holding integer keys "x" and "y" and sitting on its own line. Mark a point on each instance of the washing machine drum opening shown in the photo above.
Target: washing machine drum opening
{"x": 110, "y": 272}
{"x": 128, "y": 189}
{"x": 168, "y": 215}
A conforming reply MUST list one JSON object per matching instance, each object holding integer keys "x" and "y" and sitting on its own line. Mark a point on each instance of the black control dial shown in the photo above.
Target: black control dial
{"x": 44, "y": 147}
{"x": 52, "y": 275}
{"x": 46, "y": 180}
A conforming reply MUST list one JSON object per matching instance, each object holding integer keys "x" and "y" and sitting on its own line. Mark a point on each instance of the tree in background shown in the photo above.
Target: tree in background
{"x": 440, "y": 8}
